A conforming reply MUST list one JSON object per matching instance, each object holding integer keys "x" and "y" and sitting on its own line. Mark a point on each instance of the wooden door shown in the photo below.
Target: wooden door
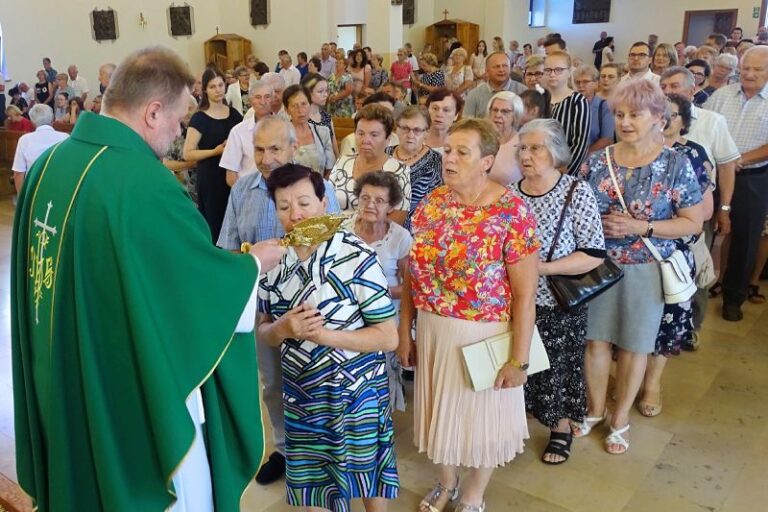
{"x": 697, "y": 25}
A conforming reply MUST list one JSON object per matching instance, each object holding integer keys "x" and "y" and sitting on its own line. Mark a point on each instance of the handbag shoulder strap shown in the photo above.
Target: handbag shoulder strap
{"x": 556, "y": 238}
{"x": 647, "y": 242}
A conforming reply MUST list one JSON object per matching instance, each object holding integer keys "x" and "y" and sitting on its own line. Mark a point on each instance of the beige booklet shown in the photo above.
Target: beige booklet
{"x": 484, "y": 359}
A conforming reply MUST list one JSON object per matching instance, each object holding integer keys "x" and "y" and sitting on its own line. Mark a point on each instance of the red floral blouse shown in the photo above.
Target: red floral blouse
{"x": 459, "y": 255}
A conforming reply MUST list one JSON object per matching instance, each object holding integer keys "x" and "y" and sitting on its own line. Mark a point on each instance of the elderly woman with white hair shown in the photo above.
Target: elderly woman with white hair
{"x": 459, "y": 76}
{"x": 505, "y": 112}
{"x": 558, "y": 395}
{"x": 724, "y": 68}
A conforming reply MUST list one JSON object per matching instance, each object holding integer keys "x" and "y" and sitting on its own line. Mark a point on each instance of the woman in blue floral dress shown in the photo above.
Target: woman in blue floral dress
{"x": 663, "y": 197}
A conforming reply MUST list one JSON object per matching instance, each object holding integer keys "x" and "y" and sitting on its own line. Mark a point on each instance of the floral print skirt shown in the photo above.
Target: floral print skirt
{"x": 677, "y": 319}
{"x": 559, "y": 392}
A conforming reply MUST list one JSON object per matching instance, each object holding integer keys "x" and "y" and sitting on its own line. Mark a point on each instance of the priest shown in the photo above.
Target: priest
{"x": 134, "y": 362}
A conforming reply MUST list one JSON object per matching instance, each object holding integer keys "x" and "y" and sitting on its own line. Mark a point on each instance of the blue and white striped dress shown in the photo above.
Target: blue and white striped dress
{"x": 339, "y": 440}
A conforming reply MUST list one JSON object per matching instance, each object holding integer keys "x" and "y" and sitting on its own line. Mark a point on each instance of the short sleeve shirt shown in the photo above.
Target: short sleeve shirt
{"x": 460, "y": 252}
{"x": 342, "y": 278}
{"x": 653, "y": 192}
{"x": 582, "y": 228}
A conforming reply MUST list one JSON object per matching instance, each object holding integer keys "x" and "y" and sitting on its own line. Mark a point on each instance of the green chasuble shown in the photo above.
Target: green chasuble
{"x": 121, "y": 308}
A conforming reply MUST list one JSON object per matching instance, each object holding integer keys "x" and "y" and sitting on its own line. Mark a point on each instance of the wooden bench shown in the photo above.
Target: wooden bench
{"x": 8, "y": 141}
{"x": 343, "y": 126}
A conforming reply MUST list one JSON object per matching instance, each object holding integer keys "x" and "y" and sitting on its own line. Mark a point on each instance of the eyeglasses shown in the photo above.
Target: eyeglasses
{"x": 700, "y": 75}
{"x": 408, "y": 129}
{"x": 502, "y": 111}
{"x": 582, "y": 82}
{"x": 537, "y": 74}
{"x": 638, "y": 55}
{"x": 377, "y": 201}
{"x": 556, "y": 71}
{"x": 533, "y": 148}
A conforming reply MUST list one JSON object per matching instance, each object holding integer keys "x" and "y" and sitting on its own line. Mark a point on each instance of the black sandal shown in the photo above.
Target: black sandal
{"x": 754, "y": 296}
{"x": 715, "y": 290}
{"x": 559, "y": 444}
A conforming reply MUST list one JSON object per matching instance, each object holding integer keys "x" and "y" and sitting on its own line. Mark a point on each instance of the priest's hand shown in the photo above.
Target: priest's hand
{"x": 301, "y": 323}
{"x": 269, "y": 253}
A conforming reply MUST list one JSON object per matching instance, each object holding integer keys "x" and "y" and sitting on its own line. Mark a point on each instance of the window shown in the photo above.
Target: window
{"x": 537, "y": 13}
{"x": 3, "y": 70}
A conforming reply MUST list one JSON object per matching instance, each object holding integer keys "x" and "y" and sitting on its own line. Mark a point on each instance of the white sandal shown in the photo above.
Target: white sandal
{"x": 432, "y": 498}
{"x": 463, "y": 507}
{"x": 586, "y": 425}
{"x": 615, "y": 437}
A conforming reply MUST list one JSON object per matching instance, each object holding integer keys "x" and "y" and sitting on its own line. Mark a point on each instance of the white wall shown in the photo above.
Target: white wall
{"x": 63, "y": 33}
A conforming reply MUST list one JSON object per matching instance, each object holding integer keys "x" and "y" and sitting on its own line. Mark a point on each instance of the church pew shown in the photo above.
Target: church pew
{"x": 343, "y": 126}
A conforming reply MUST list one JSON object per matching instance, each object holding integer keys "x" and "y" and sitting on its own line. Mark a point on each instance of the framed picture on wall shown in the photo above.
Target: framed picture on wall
{"x": 409, "y": 12}
{"x": 180, "y": 20}
{"x": 259, "y": 12}
{"x": 591, "y": 11}
{"x": 104, "y": 24}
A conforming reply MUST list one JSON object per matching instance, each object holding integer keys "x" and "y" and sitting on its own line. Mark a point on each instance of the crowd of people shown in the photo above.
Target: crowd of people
{"x": 471, "y": 178}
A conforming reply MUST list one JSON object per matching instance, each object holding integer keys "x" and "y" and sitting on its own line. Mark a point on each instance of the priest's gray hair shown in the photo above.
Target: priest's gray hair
{"x": 554, "y": 139}
{"x": 41, "y": 114}
{"x": 149, "y": 74}
{"x": 688, "y": 80}
{"x": 276, "y": 123}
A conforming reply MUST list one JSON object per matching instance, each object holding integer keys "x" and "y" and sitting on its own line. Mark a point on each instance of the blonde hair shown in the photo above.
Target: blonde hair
{"x": 562, "y": 55}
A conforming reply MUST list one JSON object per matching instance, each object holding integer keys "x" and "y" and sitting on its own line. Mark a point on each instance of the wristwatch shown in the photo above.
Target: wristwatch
{"x": 649, "y": 231}
{"x": 725, "y": 207}
{"x": 517, "y": 364}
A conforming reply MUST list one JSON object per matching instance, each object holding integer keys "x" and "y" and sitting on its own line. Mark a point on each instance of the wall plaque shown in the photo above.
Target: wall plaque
{"x": 180, "y": 20}
{"x": 591, "y": 11}
{"x": 104, "y": 24}
{"x": 409, "y": 12}
{"x": 259, "y": 12}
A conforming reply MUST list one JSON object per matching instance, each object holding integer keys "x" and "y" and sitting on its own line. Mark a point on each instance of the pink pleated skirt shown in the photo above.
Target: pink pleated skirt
{"x": 453, "y": 424}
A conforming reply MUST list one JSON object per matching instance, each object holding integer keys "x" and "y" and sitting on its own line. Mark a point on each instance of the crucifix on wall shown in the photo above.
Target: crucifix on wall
{"x": 445, "y": 13}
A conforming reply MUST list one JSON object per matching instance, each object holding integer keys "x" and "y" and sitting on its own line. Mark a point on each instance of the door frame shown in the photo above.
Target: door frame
{"x": 687, "y": 18}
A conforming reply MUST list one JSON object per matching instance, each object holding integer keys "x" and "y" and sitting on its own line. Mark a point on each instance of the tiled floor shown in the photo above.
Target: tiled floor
{"x": 706, "y": 452}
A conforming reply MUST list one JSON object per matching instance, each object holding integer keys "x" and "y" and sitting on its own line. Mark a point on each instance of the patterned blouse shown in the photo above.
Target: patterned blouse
{"x": 459, "y": 255}
{"x": 434, "y": 79}
{"x": 344, "y": 107}
{"x": 582, "y": 229}
{"x": 344, "y": 183}
{"x": 653, "y": 192}
{"x": 426, "y": 176}
{"x": 325, "y": 120}
{"x": 698, "y": 157}
{"x": 378, "y": 78}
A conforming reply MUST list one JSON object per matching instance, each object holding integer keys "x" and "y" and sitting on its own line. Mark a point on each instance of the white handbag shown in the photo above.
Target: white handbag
{"x": 705, "y": 267}
{"x": 676, "y": 280}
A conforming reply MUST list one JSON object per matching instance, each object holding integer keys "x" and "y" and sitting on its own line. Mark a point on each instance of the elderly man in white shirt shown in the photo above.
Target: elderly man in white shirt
{"x": 32, "y": 145}
{"x": 78, "y": 83}
{"x": 745, "y": 108}
{"x": 237, "y": 158}
{"x": 639, "y": 63}
{"x": 288, "y": 71}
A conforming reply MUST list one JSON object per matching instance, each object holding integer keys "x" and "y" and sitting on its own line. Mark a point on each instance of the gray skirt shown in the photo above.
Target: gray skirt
{"x": 629, "y": 314}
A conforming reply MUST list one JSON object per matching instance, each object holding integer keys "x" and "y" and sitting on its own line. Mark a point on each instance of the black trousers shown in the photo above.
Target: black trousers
{"x": 749, "y": 205}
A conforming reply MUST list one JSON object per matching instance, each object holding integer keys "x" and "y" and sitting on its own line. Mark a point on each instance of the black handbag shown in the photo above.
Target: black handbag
{"x": 573, "y": 291}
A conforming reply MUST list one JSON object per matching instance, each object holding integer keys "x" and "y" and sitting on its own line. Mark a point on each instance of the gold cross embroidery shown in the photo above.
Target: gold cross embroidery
{"x": 41, "y": 266}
